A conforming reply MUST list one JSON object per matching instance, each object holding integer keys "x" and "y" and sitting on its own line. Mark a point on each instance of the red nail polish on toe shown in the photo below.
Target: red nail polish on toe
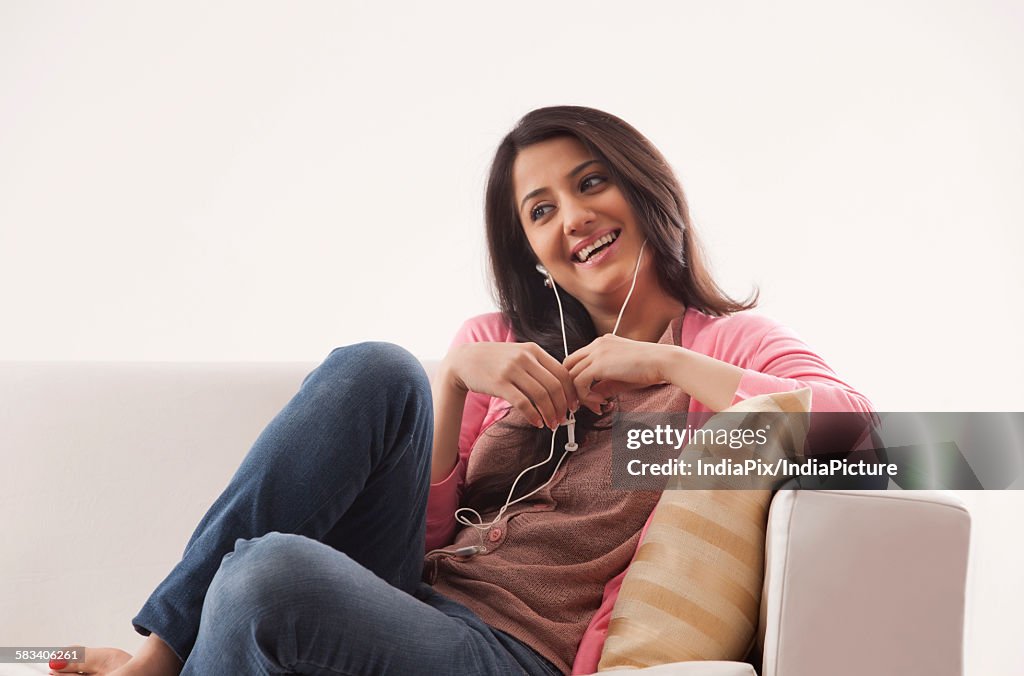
{"x": 58, "y": 664}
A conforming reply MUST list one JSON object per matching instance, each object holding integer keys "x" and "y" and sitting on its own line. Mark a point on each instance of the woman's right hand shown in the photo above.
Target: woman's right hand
{"x": 523, "y": 374}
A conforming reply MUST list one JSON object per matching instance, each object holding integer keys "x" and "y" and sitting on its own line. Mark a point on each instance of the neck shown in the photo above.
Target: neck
{"x": 647, "y": 315}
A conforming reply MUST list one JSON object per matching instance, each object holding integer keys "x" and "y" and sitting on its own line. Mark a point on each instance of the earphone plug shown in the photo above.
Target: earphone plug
{"x": 469, "y": 551}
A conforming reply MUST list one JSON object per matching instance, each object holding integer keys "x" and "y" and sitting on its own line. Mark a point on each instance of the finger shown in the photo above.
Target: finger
{"x": 595, "y": 404}
{"x": 577, "y": 356}
{"x": 584, "y": 382}
{"x": 583, "y": 378}
{"x": 529, "y": 373}
{"x": 522, "y": 403}
{"x": 600, "y": 391}
{"x": 582, "y": 364}
{"x": 528, "y": 395}
{"x": 555, "y": 378}
{"x": 561, "y": 374}
{"x": 531, "y": 382}
{"x": 610, "y": 388}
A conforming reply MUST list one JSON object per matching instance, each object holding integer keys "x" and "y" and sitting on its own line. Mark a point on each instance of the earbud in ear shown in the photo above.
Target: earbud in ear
{"x": 547, "y": 275}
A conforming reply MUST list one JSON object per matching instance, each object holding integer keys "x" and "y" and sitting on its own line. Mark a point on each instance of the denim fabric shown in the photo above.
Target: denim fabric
{"x": 310, "y": 560}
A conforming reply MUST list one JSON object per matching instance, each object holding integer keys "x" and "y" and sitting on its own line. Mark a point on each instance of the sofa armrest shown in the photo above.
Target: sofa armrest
{"x": 864, "y": 582}
{"x": 691, "y": 669}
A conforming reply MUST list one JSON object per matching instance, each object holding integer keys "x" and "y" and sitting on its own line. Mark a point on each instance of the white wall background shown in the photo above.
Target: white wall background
{"x": 264, "y": 181}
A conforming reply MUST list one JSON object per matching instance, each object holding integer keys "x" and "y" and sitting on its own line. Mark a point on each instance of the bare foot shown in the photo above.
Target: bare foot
{"x": 97, "y": 661}
{"x": 155, "y": 658}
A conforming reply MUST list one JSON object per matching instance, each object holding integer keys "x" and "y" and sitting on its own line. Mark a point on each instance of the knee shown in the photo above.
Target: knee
{"x": 377, "y": 366}
{"x": 271, "y": 592}
{"x": 261, "y": 579}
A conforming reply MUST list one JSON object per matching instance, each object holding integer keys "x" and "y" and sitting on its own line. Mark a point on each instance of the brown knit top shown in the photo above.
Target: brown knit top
{"x": 543, "y": 575}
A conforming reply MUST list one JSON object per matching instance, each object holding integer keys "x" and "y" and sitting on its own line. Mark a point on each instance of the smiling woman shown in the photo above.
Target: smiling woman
{"x": 312, "y": 559}
{"x": 581, "y": 192}
{"x": 589, "y": 199}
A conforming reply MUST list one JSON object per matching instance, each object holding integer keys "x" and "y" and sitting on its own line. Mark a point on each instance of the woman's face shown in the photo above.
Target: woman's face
{"x": 577, "y": 220}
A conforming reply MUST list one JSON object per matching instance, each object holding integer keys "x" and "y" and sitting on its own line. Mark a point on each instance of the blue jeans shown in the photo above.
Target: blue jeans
{"x": 309, "y": 562}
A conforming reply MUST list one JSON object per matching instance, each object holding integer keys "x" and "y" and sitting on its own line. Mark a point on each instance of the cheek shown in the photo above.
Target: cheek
{"x": 544, "y": 247}
{"x": 531, "y": 243}
{"x": 616, "y": 204}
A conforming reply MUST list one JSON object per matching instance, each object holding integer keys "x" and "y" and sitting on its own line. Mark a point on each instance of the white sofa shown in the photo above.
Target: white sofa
{"x": 108, "y": 466}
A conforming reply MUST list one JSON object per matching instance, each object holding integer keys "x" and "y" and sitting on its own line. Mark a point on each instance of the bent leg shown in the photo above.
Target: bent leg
{"x": 284, "y": 604}
{"x": 347, "y": 461}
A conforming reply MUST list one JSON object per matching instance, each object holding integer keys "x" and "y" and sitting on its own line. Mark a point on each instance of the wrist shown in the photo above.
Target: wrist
{"x": 448, "y": 380}
{"x": 671, "y": 364}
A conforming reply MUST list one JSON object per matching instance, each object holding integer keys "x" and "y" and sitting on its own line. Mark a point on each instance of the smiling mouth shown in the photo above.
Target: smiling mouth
{"x": 584, "y": 254}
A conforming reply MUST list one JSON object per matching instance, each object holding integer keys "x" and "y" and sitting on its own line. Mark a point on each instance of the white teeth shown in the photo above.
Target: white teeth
{"x": 583, "y": 254}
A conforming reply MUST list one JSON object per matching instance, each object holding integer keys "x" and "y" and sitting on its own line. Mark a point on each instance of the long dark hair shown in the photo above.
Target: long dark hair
{"x": 657, "y": 201}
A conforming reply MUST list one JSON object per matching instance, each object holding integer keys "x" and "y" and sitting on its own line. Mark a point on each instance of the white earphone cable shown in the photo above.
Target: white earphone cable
{"x": 629, "y": 295}
{"x": 571, "y": 445}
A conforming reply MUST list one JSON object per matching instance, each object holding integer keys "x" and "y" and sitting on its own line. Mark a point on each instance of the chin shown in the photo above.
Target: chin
{"x": 605, "y": 289}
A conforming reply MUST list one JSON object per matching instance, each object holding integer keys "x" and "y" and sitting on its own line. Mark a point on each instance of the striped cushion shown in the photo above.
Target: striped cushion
{"x": 693, "y": 590}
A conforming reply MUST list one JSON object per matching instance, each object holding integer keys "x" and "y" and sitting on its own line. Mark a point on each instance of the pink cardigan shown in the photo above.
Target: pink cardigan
{"x": 774, "y": 360}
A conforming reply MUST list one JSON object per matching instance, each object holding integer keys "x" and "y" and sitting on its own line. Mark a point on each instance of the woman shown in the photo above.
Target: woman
{"x": 311, "y": 560}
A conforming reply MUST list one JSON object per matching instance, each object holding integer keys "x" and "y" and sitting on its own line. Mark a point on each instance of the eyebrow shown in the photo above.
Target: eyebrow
{"x": 578, "y": 169}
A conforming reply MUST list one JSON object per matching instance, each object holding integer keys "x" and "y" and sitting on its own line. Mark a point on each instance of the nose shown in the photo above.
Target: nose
{"x": 576, "y": 216}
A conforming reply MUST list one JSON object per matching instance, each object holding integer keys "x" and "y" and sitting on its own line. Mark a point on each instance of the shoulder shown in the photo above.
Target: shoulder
{"x": 491, "y": 327}
{"x": 729, "y": 338}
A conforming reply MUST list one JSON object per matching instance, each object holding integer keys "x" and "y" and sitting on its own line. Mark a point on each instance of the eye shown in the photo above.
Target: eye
{"x": 539, "y": 211}
{"x": 592, "y": 181}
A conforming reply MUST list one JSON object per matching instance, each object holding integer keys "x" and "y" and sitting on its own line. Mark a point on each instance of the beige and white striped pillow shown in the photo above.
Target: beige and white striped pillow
{"x": 693, "y": 591}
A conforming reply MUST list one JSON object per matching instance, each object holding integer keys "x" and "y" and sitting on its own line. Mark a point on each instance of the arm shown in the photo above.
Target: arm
{"x": 448, "y": 468}
{"x": 776, "y": 360}
{"x": 449, "y": 402}
{"x": 706, "y": 379}
{"x": 783, "y": 362}
{"x": 459, "y": 418}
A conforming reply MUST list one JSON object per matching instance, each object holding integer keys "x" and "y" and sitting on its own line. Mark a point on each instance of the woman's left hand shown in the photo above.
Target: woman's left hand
{"x": 612, "y": 364}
